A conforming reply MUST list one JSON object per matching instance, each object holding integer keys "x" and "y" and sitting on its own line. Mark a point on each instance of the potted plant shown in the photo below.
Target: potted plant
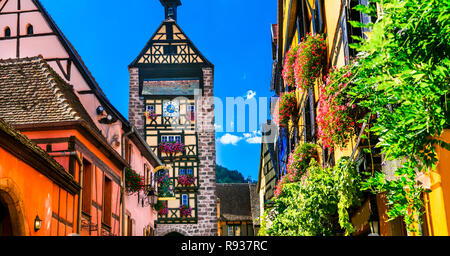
{"x": 171, "y": 148}
{"x": 186, "y": 180}
{"x": 134, "y": 181}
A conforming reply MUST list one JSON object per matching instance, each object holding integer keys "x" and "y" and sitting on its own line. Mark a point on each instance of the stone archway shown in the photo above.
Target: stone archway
{"x": 11, "y": 199}
{"x": 174, "y": 234}
{"x": 172, "y": 231}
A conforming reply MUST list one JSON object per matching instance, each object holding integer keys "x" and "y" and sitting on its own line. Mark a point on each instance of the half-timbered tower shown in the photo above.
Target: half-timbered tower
{"x": 171, "y": 91}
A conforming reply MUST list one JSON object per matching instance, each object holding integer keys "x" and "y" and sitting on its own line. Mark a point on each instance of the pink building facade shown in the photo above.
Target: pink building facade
{"x": 27, "y": 30}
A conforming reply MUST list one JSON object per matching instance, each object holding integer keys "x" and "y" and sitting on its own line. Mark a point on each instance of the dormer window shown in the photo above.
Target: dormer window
{"x": 7, "y": 32}
{"x": 30, "y": 30}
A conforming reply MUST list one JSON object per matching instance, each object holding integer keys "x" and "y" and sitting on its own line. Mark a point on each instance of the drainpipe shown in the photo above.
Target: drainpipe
{"x": 123, "y": 178}
{"x": 80, "y": 195}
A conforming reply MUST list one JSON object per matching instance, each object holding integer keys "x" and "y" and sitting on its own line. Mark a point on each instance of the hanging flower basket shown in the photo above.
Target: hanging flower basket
{"x": 186, "y": 180}
{"x": 287, "y": 110}
{"x": 165, "y": 185}
{"x": 185, "y": 211}
{"x": 171, "y": 148}
{"x": 288, "y": 67}
{"x": 134, "y": 181}
{"x": 308, "y": 64}
{"x": 150, "y": 115}
{"x": 337, "y": 111}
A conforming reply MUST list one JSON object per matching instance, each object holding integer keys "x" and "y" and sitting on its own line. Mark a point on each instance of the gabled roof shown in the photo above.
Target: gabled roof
{"x": 33, "y": 96}
{"x": 237, "y": 202}
{"x": 170, "y": 45}
{"x": 89, "y": 78}
{"x": 32, "y": 92}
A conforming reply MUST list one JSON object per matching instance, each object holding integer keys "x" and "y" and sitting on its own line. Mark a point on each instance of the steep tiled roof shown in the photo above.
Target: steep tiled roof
{"x": 236, "y": 202}
{"x": 31, "y": 92}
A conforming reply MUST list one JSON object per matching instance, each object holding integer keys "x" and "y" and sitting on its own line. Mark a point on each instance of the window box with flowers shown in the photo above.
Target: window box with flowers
{"x": 134, "y": 181}
{"x": 310, "y": 55}
{"x": 287, "y": 109}
{"x": 185, "y": 211}
{"x": 150, "y": 115}
{"x": 338, "y": 114}
{"x": 171, "y": 148}
{"x": 186, "y": 180}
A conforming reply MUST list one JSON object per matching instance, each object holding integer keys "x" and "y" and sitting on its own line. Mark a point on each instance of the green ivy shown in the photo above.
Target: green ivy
{"x": 316, "y": 206}
{"x": 403, "y": 78}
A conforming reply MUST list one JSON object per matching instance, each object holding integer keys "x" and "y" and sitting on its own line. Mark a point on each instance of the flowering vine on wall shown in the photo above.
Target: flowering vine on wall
{"x": 338, "y": 113}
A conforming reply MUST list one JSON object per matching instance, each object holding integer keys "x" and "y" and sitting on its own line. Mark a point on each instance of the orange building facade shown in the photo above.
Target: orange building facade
{"x": 33, "y": 187}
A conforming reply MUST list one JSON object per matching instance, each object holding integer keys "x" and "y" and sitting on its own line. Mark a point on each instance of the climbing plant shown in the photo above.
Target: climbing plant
{"x": 403, "y": 78}
{"x": 316, "y": 205}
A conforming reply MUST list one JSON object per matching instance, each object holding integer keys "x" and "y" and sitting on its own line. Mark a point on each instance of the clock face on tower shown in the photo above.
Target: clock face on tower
{"x": 171, "y": 108}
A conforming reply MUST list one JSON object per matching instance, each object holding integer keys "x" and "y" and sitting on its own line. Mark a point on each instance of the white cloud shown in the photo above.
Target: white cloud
{"x": 229, "y": 139}
{"x": 253, "y": 138}
{"x": 250, "y": 94}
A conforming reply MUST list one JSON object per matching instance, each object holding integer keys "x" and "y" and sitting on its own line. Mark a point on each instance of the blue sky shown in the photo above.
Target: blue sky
{"x": 232, "y": 34}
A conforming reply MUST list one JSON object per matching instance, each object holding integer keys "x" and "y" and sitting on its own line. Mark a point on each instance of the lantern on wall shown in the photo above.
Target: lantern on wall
{"x": 165, "y": 184}
{"x": 37, "y": 223}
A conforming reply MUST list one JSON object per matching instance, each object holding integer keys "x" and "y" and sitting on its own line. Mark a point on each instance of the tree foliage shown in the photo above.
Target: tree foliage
{"x": 318, "y": 205}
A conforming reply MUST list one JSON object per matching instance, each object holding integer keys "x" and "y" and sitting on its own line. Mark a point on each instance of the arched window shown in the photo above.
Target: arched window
{"x": 7, "y": 32}
{"x": 30, "y": 30}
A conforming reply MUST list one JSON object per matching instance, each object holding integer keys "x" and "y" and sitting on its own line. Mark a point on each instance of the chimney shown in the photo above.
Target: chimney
{"x": 170, "y": 7}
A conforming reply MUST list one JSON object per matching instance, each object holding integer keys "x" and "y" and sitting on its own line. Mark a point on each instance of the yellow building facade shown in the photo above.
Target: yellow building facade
{"x": 330, "y": 19}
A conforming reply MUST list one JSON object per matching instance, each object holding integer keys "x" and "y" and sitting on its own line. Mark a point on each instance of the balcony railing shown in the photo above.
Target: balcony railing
{"x": 173, "y": 216}
{"x": 181, "y": 121}
{"x": 189, "y": 151}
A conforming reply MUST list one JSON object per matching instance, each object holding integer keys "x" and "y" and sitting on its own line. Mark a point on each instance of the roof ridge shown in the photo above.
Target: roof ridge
{"x": 12, "y": 61}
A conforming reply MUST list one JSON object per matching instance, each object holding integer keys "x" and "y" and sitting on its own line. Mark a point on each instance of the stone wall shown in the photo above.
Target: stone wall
{"x": 136, "y": 107}
{"x": 207, "y": 202}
